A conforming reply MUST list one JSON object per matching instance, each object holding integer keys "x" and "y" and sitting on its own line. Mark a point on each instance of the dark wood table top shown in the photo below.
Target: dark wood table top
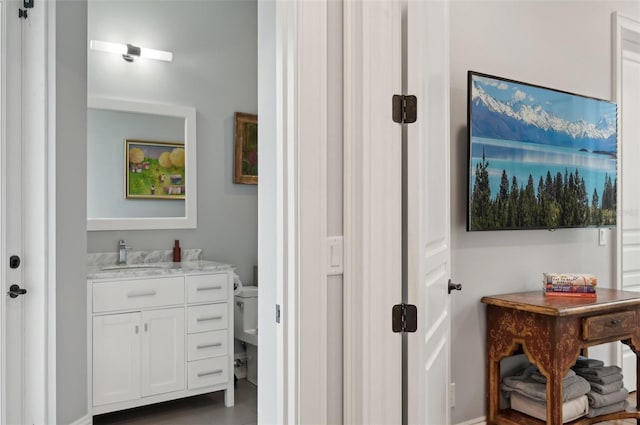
{"x": 537, "y": 302}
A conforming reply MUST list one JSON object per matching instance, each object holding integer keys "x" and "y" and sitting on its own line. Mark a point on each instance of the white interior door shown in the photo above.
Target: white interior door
{"x": 428, "y": 218}
{"x": 628, "y": 81}
{"x": 11, "y": 182}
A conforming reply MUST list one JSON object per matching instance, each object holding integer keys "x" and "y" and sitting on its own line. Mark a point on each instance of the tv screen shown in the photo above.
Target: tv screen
{"x": 539, "y": 158}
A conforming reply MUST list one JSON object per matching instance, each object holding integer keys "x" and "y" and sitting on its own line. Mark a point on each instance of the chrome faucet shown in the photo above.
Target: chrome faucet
{"x": 122, "y": 258}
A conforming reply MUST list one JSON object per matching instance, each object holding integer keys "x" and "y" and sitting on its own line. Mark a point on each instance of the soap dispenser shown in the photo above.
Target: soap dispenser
{"x": 177, "y": 254}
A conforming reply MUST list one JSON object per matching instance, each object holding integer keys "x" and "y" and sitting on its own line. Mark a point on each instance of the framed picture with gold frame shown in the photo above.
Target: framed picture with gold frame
{"x": 154, "y": 170}
{"x": 246, "y": 148}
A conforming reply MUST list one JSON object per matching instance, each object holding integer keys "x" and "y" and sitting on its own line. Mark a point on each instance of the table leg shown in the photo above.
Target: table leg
{"x": 554, "y": 397}
{"x": 493, "y": 389}
{"x": 637, "y": 385}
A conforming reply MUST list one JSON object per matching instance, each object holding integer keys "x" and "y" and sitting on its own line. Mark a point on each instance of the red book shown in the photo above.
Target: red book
{"x": 571, "y": 294}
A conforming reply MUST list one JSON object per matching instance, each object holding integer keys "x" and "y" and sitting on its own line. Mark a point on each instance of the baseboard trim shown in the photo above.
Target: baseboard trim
{"x": 477, "y": 421}
{"x": 85, "y": 420}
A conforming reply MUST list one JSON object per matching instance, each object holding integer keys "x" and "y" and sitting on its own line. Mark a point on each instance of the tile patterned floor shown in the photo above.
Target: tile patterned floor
{"x": 206, "y": 409}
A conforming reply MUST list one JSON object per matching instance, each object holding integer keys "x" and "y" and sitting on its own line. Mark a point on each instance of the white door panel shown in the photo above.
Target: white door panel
{"x": 162, "y": 360}
{"x": 11, "y": 134}
{"x": 428, "y": 201}
{"x": 116, "y": 358}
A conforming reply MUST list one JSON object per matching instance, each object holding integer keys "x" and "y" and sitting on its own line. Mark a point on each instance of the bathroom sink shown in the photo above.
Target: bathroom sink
{"x": 132, "y": 267}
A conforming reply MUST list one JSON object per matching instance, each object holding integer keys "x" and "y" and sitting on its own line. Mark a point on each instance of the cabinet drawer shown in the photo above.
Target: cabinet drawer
{"x": 123, "y": 295}
{"x": 206, "y": 344}
{"x": 207, "y": 288}
{"x": 608, "y": 325}
{"x": 204, "y": 318}
{"x": 203, "y": 373}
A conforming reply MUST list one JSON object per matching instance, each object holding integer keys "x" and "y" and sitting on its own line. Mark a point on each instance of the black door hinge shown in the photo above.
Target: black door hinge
{"x": 405, "y": 109}
{"x": 27, "y": 4}
{"x": 404, "y": 318}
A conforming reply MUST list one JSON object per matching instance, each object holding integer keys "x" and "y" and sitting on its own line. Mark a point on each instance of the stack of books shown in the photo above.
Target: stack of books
{"x": 569, "y": 285}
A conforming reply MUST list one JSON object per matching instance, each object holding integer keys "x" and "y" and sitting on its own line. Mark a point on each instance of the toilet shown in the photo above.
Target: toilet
{"x": 246, "y": 327}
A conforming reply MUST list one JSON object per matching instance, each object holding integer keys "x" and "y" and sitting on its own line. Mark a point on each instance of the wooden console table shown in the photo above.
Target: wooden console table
{"x": 552, "y": 331}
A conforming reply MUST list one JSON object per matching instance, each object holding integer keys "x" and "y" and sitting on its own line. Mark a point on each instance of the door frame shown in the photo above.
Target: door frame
{"x": 372, "y": 212}
{"x": 619, "y": 25}
{"x": 292, "y": 219}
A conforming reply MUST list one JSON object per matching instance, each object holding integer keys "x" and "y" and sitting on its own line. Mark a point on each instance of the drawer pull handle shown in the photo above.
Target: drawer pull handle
{"x": 206, "y": 319}
{"x": 141, "y": 294}
{"x": 213, "y": 372}
{"x": 613, "y": 322}
{"x": 215, "y": 344}
{"x": 209, "y": 288}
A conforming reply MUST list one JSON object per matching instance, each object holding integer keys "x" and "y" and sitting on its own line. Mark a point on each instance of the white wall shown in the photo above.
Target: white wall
{"x": 268, "y": 218}
{"x": 214, "y": 69}
{"x": 564, "y": 45}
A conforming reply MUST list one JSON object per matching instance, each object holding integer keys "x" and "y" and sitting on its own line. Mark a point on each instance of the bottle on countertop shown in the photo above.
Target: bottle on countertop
{"x": 177, "y": 254}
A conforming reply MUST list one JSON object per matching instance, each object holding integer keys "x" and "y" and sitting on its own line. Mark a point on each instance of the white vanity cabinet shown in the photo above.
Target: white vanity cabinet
{"x": 153, "y": 339}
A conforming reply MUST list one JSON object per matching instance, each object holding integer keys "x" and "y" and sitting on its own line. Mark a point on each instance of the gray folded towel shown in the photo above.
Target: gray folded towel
{"x": 603, "y": 380}
{"x": 601, "y": 400}
{"x": 586, "y": 362}
{"x": 605, "y": 410}
{"x": 572, "y": 386}
{"x": 599, "y": 372}
{"x": 538, "y": 377}
{"x": 608, "y": 388}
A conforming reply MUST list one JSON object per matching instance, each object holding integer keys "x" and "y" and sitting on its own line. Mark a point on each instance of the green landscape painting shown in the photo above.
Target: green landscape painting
{"x": 154, "y": 170}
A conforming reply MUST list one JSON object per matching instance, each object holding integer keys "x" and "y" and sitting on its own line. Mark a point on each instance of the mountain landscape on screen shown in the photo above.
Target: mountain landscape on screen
{"x": 539, "y": 158}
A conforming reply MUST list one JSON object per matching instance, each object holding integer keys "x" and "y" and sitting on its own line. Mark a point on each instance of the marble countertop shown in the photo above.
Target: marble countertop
{"x": 103, "y": 265}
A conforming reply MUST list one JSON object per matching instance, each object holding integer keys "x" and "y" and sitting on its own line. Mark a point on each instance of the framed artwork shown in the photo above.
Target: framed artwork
{"x": 539, "y": 158}
{"x": 246, "y": 148}
{"x": 154, "y": 170}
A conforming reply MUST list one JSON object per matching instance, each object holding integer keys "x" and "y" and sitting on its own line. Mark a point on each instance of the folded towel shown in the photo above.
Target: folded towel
{"x": 601, "y": 400}
{"x": 538, "y": 377}
{"x": 605, "y": 410}
{"x": 587, "y": 362}
{"x": 606, "y": 389}
{"x": 572, "y": 386}
{"x": 603, "y": 380}
{"x": 571, "y": 410}
{"x": 599, "y": 372}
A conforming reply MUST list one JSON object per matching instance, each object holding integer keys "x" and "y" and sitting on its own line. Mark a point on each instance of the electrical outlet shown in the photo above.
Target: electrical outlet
{"x": 452, "y": 394}
{"x": 602, "y": 237}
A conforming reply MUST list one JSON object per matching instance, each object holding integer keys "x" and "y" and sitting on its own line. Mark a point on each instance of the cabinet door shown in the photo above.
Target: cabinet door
{"x": 162, "y": 360}
{"x": 116, "y": 358}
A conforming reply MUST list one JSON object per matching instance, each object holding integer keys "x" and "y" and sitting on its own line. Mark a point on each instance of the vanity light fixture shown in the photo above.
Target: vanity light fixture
{"x": 130, "y": 52}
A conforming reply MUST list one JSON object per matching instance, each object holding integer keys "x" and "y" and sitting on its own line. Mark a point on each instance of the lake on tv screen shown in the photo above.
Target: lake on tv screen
{"x": 522, "y": 159}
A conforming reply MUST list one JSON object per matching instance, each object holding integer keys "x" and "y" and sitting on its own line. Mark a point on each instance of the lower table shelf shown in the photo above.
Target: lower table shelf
{"x": 512, "y": 417}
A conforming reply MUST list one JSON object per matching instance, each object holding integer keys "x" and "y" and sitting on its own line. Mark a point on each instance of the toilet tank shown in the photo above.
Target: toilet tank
{"x": 246, "y": 310}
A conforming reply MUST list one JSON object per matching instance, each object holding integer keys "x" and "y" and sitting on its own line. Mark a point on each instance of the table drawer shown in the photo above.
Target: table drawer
{"x": 203, "y": 373}
{"x": 128, "y": 294}
{"x": 206, "y": 344}
{"x": 608, "y": 325}
{"x": 205, "y": 318}
{"x": 207, "y": 288}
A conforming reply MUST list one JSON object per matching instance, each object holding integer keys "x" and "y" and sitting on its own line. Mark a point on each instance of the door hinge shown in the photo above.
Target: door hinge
{"x": 405, "y": 109}
{"x": 404, "y": 318}
{"x": 27, "y": 4}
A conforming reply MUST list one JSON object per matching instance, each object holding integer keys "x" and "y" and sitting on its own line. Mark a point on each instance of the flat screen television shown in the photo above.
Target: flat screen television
{"x": 539, "y": 158}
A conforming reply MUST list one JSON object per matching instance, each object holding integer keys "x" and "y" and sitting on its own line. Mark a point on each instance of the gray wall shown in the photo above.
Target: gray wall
{"x": 214, "y": 69}
{"x": 563, "y": 45}
{"x": 71, "y": 213}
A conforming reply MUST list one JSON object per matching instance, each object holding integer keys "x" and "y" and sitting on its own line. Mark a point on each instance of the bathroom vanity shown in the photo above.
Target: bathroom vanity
{"x": 158, "y": 331}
